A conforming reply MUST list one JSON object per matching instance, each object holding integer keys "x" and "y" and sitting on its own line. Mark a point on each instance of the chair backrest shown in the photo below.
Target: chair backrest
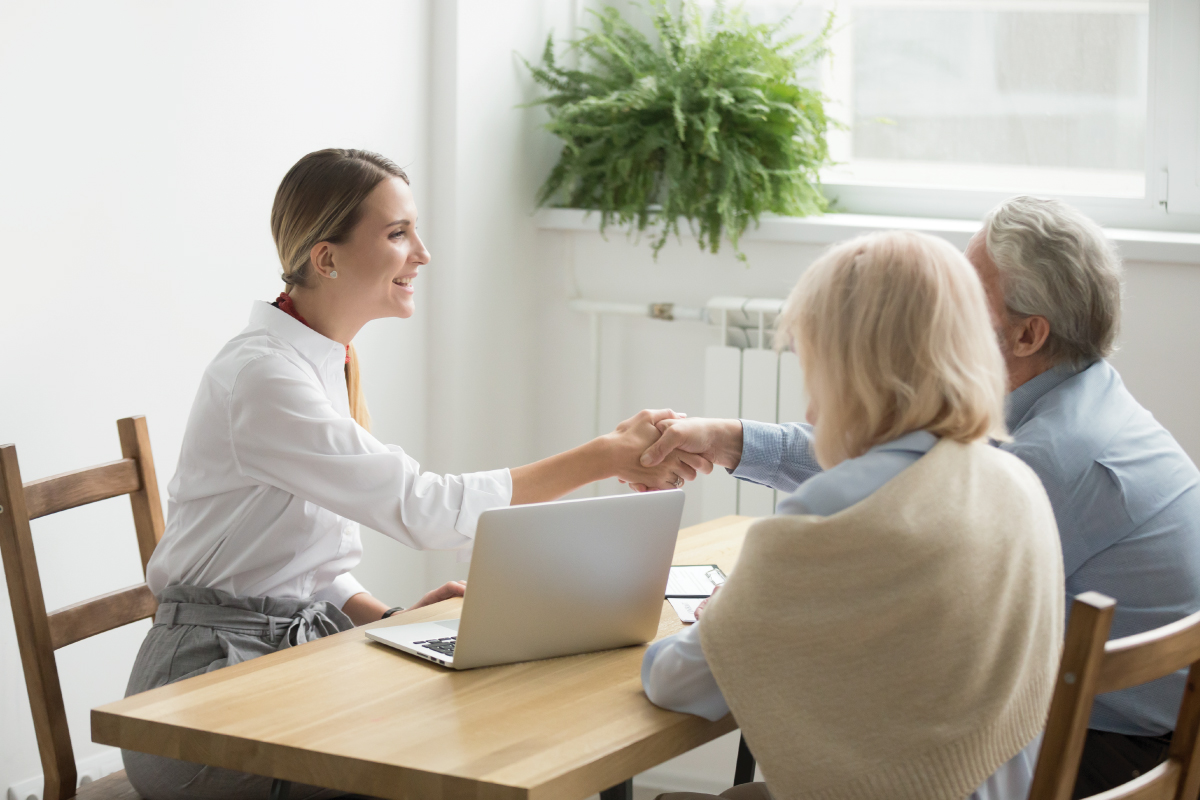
{"x": 1091, "y": 665}
{"x": 39, "y": 633}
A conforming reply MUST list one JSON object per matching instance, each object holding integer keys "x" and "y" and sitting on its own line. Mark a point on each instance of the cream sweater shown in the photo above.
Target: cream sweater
{"x": 903, "y": 648}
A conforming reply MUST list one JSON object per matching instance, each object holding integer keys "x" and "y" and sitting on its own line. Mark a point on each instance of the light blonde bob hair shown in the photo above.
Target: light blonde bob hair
{"x": 893, "y": 333}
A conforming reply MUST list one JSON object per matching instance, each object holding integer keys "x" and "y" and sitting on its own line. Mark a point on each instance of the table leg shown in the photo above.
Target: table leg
{"x": 279, "y": 789}
{"x": 622, "y": 791}
{"x": 743, "y": 770}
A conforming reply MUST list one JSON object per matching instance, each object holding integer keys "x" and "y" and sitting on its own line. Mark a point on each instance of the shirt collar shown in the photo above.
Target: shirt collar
{"x": 310, "y": 344}
{"x": 913, "y": 441}
{"x": 1022, "y": 399}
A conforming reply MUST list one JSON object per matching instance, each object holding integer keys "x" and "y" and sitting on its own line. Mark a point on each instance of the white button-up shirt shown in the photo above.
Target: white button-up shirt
{"x": 274, "y": 476}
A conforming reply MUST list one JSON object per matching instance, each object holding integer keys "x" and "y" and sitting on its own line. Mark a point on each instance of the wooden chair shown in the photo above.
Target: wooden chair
{"x": 1091, "y": 665}
{"x": 39, "y": 633}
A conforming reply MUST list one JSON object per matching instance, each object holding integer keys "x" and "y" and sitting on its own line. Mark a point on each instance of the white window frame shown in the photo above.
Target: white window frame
{"x": 1178, "y": 27}
{"x": 1172, "y": 201}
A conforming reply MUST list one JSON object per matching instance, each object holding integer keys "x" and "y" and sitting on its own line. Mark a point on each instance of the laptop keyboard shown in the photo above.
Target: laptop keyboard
{"x": 443, "y": 646}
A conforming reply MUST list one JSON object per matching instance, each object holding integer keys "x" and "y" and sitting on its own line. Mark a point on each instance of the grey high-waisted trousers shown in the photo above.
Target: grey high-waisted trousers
{"x": 199, "y": 630}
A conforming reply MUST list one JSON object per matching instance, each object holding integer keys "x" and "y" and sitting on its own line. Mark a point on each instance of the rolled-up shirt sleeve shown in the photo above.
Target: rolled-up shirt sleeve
{"x": 286, "y": 433}
{"x": 779, "y": 456}
{"x": 344, "y": 587}
{"x": 478, "y": 492}
{"x": 676, "y": 676}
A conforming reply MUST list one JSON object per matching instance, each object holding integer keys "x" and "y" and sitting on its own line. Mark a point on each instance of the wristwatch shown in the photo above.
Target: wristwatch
{"x": 391, "y": 611}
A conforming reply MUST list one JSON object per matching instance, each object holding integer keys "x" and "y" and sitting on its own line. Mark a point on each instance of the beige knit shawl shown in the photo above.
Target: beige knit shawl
{"x": 903, "y": 648}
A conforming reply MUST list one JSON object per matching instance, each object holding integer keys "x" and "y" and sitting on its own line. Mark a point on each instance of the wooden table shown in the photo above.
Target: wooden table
{"x": 352, "y": 715}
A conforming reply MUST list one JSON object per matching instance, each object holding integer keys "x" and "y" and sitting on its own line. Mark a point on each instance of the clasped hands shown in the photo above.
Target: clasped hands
{"x": 660, "y": 449}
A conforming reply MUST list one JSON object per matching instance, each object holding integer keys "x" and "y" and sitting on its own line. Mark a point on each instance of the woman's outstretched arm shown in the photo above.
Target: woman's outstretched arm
{"x": 614, "y": 454}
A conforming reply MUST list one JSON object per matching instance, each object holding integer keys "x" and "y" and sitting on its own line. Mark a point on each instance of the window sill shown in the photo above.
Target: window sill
{"x": 1135, "y": 245}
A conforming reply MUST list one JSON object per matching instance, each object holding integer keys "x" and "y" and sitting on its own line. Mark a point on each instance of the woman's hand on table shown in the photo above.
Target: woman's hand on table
{"x": 443, "y": 592}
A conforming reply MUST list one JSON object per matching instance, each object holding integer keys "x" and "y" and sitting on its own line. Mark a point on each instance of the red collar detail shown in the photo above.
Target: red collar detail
{"x": 284, "y": 303}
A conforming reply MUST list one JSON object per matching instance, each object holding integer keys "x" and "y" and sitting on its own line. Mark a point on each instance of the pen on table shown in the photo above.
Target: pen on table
{"x": 687, "y": 596}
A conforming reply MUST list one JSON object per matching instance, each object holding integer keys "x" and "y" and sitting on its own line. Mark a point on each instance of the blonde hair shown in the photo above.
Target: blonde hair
{"x": 893, "y": 332}
{"x": 320, "y": 200}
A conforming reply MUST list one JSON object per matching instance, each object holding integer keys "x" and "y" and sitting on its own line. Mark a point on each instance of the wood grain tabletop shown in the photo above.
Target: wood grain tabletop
{"x": 350, "y": 714}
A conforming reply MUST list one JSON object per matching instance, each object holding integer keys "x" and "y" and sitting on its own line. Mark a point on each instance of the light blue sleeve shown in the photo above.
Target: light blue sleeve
{"x": 779, "y": 456}
{"x": 1014, "y": 777}
{"x": 675, "y": 676}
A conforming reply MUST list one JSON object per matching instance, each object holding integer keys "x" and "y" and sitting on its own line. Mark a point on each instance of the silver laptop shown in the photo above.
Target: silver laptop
{"x": 554, "y": 579}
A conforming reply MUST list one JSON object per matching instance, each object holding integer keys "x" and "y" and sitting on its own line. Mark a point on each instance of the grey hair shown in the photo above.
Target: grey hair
{"x": 1056, "y": 263}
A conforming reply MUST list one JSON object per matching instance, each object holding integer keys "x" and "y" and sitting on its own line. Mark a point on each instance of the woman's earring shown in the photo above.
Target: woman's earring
{"x": 333, "y": 273}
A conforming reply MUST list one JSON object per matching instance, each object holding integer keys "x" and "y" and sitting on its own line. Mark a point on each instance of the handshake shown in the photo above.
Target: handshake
{"x": 661, "y": 449}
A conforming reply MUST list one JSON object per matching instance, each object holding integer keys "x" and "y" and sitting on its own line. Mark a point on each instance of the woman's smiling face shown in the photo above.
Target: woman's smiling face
{"x": 378, "y": 262}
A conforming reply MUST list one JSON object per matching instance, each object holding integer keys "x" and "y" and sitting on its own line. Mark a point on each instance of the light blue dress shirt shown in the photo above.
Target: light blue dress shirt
{"x": 1125, "y": 496}
{"x": 675, "y": 674}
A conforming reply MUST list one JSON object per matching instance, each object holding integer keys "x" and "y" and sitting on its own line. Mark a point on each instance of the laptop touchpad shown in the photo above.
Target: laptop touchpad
{"x": 452, "y": 624}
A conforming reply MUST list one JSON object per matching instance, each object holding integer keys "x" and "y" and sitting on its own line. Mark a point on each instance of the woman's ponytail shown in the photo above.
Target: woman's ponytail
{"x": 358, "y": 401}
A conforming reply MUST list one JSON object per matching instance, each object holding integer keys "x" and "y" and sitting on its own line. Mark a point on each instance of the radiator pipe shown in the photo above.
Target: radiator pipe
{"x": 664, "y": 311}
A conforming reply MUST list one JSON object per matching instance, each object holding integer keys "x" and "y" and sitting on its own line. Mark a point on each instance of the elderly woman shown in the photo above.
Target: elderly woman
{"x": 894, "y": 633}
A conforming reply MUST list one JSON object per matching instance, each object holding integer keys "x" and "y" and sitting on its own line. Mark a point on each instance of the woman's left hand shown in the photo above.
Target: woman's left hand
{"x": 443, "y": 592}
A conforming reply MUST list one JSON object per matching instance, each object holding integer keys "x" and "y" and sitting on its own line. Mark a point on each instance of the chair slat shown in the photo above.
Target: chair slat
{"x": 1143, "y": 657}
{"x": 147, "y": 508}
{"x": 1159, "y": 783}
{"x": 71, "y": 489}
{"x": 90, "y": 617}
{"x": 1185, "y": 743}
{"x": 1071, "y": 706}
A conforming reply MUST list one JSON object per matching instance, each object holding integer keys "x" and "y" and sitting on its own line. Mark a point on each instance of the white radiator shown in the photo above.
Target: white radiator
{"x": 750, "y": 381}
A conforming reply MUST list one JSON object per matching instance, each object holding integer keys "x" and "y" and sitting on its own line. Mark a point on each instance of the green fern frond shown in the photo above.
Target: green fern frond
{"x": 709, "y": 124}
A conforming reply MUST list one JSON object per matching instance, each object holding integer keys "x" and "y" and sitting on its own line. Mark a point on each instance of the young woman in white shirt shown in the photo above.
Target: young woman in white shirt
{"x": 278, "y": 466}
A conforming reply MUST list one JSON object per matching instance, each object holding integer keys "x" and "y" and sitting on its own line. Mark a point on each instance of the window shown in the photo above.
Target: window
{"x": 1049, "y": 99}
{"x": 951, "y": 105}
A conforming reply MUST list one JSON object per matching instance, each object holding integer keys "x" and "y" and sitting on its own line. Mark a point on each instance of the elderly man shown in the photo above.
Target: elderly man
{"x": 1125, "y": 495}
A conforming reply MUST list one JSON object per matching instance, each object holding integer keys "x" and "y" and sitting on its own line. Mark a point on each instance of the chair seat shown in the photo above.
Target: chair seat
{"x": 110, "y": 787}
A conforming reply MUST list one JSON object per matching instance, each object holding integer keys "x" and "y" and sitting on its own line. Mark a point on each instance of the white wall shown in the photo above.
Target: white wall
{"x": 488, "y": 155}
{"x": 140, "y": 147}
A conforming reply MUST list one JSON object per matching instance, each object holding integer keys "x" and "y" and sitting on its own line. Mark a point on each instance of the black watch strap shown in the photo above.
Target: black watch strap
{"x": 391, "y": 611}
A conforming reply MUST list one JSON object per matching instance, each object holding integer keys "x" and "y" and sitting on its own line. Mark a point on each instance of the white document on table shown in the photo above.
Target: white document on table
{"x": 688, "y": 586}
{"x": 686, "y": 609}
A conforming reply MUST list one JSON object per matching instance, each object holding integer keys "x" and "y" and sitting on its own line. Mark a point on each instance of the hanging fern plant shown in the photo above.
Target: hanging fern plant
{"x": 708, "y": 124}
